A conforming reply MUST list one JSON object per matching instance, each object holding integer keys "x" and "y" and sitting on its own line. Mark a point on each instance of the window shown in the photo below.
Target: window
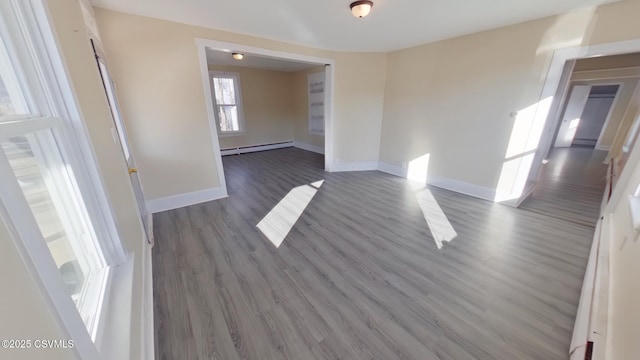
{"x": 227, "y": 102}
{"x": 316, "y": 103}
{"x": 48, "y": 195}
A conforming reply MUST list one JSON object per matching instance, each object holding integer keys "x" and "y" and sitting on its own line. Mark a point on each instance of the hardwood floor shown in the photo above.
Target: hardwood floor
{"x": 571, "y": 185}
{"x": 359, "y": 275}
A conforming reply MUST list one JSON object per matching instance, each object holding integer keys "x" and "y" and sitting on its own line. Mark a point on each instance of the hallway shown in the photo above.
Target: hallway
{"x": 570, "y": 185}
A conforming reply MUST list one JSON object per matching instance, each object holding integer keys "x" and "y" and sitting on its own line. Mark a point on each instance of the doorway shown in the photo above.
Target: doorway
{"x": 228, "y": 115}
{"x": 587, "y": 112}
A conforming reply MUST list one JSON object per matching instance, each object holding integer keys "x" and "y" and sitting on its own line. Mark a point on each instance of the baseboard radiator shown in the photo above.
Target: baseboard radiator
{"x": 254, "y": 148}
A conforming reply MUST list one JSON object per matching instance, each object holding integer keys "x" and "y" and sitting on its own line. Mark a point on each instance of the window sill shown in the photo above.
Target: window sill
{"x": 231, "y": 134}
{"x": 114, "y": 341}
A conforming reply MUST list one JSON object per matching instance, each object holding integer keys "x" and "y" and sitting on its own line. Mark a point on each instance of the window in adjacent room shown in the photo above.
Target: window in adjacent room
{"x": 227, "y": 102}
{"x": 316, "y": 103}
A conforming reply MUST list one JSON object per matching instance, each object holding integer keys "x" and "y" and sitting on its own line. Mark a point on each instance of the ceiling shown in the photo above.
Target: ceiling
{"x": 328, "y": 24}
{"x": 215, "y": 57}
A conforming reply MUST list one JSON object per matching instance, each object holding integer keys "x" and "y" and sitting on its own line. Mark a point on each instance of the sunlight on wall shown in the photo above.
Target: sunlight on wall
{"x": 437, "y": 221}
{"x": 277, "y": 224}
{"x": 523, "y": 143}
{"x": 571, "y": 132}
{"x": 418, "y": 167}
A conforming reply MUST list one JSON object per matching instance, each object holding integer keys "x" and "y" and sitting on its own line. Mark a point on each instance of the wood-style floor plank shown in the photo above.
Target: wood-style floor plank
{"x": 359, "y": 275}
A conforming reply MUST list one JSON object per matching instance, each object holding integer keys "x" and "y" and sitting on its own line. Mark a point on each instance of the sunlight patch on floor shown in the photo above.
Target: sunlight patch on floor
{"x": 439, "y": 225}
{"x": 277, "y": 224}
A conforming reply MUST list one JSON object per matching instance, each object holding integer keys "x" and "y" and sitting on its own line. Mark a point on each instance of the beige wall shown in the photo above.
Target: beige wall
{"x": 267, "y": 106}
{"x": 300, "y": 97}
{"x": 156, "y": 67}
{"x": 622, "y": 102}
{"x": 452, "y": 99}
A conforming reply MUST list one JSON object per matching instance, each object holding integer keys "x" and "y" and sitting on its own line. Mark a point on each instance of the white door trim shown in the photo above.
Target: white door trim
{"x": 203, "y": 44}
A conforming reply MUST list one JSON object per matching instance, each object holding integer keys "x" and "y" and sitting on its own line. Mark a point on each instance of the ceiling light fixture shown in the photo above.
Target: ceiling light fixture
{"x": 361, "y": 8}
{"x": 238, "y": 56}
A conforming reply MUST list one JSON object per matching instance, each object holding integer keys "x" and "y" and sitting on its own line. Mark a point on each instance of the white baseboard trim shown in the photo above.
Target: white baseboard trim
{"x": 458, "y": 186}
{"x": 392, "y": 169}
{"x": 255, "y": 148}
{"x": 182, "y": 200}
{"x": 462, "y": 187}
{"x": 147, "y": 337}
{"x": 355, "y": 166}
{"x": 603, "y": 147}
{"x": 309, "y": 147}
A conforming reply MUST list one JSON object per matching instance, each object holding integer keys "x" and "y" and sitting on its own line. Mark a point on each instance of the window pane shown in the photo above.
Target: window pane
{"x": 48, "y": 187}
{"x": 225, "y": 91}
{"x": 228, "y": 116}
{"x": 11, "y": 98}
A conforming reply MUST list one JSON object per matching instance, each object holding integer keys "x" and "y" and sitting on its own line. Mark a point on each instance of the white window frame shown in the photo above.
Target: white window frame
{"x": 238, "y": 92}
{"x": 42, "y": 72}
{"x": 315, "y": 106}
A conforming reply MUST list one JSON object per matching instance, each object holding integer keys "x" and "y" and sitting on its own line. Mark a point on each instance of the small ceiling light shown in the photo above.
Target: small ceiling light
{"x": 361, "y": 8}
{"x": 238, "y": 56}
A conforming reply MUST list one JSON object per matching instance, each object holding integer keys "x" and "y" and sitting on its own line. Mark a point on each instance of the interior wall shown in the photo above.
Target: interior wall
{"x": 624, "y": 312}
{"x": 156, "y": 68}
{"x": 267, "y": 105}
{"x": 300, "y": 97}
{"x": 625, "y": 93}
{"x": 453, "y": 99}
{"x": 81, "y": 65}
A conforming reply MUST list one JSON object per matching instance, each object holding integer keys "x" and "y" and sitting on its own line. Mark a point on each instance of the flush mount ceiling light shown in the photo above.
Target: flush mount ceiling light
{"x": 238, "y": 56}
{"x": 361, "y": 8}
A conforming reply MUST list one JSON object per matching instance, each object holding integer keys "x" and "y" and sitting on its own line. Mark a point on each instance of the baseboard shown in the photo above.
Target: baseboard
{"x": 355, "y": 166}
{"x": 462, "y": 187}
{"x": 603, "y": 147}
{"x": 392, "y": 169}
{"x": 255, "y": 148}
{"x": 147, "y": 337}
{"x": 309, "y": 147}
{"x": 182, "y": 200}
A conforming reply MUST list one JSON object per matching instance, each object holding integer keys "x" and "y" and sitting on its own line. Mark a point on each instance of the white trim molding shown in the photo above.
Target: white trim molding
{"x": 355, "y": 166}
{"x": 309, "y": 147}
{"x": 147, "y": 338}
{"x": 255, "y": 148}
{"x": 458, "y": 186}
{"x": 182, "y": 200}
